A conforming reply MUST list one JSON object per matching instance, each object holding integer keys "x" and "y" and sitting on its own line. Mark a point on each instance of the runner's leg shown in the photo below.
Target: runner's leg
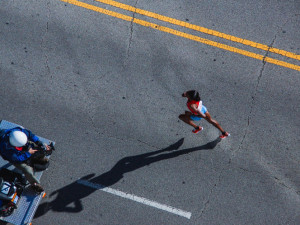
{"x": 186, "y": 118}
{"x": 213, "y": 122}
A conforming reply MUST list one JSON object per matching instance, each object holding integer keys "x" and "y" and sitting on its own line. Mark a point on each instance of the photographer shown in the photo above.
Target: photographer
{"x": 19, "y": 146}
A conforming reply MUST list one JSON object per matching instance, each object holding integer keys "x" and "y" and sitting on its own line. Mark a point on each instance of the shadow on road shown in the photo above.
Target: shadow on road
{"x": 68, "y": 198}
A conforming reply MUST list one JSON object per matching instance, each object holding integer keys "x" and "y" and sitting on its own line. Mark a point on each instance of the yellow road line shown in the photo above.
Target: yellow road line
{"x": 200, "y": 29}
{"x": 182, "y": 34}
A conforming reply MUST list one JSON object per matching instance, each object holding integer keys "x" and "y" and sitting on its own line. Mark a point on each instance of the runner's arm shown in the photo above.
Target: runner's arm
{"x": 199, "y": 113}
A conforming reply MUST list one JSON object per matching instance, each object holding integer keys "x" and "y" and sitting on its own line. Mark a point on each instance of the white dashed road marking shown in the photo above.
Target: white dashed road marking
{"x": 144, "y": 201}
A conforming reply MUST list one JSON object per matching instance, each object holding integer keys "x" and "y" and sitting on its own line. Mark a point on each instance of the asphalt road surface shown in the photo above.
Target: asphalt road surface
{"x": 104, "y": 81}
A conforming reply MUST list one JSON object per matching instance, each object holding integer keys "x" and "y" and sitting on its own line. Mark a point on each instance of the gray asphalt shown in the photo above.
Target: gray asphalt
{"x": 108, "y": 92}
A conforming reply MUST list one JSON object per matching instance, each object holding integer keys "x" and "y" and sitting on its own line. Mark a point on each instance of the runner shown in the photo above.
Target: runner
{"x": 197, "y": 112}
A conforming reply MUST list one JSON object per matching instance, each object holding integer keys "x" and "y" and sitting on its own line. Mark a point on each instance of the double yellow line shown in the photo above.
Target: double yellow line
{"x": 189, "y": 36}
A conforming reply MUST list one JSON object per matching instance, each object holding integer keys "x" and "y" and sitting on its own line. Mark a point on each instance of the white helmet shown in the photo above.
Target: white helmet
{"x": 17, "y": 138}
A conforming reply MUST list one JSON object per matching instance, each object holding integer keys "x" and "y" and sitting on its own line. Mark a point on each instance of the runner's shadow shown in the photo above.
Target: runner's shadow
{"x": 68, "y": 198}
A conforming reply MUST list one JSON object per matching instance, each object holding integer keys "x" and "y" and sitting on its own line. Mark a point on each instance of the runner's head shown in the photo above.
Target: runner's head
{"x": 192, "y": 95}
{"x": 17, "y": 138}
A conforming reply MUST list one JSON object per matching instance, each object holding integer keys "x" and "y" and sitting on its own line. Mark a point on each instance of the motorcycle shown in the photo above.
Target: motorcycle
{"x": 11, "y": 188}
{"x": 12, "y": 184}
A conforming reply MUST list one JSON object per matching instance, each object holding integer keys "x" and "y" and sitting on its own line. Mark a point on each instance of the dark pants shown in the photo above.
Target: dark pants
{"x": 28, "y": 172}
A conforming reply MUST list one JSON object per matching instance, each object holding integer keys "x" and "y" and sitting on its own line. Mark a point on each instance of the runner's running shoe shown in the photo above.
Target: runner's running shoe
{"x": 224, "y": 135}
{"x": 198, "y": 129}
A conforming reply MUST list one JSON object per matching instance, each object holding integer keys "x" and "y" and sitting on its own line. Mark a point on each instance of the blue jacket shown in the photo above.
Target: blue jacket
{"x": 9, "y": 152}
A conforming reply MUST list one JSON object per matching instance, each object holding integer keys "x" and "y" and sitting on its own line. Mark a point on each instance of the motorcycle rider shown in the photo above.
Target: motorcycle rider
{"x": 15, "y": 148}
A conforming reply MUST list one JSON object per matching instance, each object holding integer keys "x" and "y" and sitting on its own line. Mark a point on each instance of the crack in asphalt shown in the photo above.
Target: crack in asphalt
{"x": 248, "y": 171}
{"x": 206, "y": 203}
{"x": 282, "y": 183}
{"x": 254, "y": 97}
{"x": 131, "y": 32}
{"x": 278, "y": 180}
{"x": 43, "y": 47}
{"x": 246, "y": 131}
{"x": 257, "y": 84}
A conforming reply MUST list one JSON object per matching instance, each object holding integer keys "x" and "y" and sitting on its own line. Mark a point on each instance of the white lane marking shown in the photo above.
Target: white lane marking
{"x": 145, "y": 201}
